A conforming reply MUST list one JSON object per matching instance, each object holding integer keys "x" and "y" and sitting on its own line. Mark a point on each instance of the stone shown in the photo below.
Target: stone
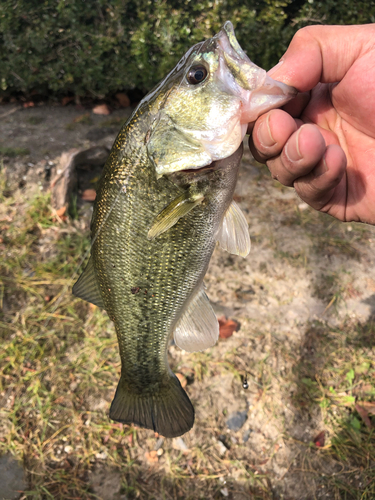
{"x": 12, "y": 478}
{"x": 236, "y": 420}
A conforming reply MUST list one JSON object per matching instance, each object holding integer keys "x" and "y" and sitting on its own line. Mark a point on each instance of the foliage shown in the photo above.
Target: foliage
{"x": 99, "y": 47}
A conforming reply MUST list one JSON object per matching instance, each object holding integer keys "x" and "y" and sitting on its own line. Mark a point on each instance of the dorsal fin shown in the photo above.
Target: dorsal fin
{"x": 233, "y": 234}
{"x": 87, "y": 286}
{"x": 198, "y": 328}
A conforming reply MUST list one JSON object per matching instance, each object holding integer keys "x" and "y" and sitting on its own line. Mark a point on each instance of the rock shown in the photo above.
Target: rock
{"x": 246, "y": 436}
{"x": 12, "y": 478}
{"x": 221, "y": 447}
{"x": 65, "y": 180}
{"x": 89, "y": 195}
{"x": 102, "y": 109}
{"x": 106, "y": 483}
{"x": 236, "y": 420}
{"x": 179, "y": 444}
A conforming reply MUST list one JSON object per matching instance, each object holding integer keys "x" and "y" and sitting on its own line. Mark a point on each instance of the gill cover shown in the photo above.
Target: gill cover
{"x": 203, "y": 116}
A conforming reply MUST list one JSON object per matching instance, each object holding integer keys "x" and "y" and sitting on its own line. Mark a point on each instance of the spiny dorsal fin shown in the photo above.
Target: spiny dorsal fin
{"x": 87, "y": 286}
{"x": 198, "y": 328}
{"x": 170, "y": 215}
{"x": 233, "y": 234}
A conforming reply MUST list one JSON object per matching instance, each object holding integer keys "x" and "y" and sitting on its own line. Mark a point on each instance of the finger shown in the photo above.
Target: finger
{"x": 322, "y": 54}
{"x": 302, "y": 152}
{"x": 296, "y": 106}
{"x": 317, "y": 188}
{"x": 270, "y": 133}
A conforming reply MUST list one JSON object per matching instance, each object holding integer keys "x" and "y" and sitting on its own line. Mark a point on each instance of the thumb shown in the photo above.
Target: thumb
{"x": 322, "y": 54}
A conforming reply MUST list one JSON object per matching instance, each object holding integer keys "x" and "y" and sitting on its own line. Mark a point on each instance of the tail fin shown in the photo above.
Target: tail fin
{"x": 168, "y": 412}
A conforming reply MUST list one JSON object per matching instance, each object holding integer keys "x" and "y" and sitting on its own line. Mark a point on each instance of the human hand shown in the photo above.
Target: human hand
{"x": 323, "y": 144}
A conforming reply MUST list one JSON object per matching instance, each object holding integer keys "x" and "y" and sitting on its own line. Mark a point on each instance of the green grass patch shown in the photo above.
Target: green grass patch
{"x": 13, "y": 152}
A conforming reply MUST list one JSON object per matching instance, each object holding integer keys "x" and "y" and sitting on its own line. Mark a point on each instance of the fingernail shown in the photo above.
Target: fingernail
{"x": 275, "y": 68}
{"x": 292, "y": 151}
{"x": 264, "y": 134}
{"x": 321, "y": 168}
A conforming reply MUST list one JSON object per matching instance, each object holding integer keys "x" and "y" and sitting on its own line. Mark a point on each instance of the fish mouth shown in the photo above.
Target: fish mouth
{"x": 258, "y": 91}
{"x": 210, "y": 166}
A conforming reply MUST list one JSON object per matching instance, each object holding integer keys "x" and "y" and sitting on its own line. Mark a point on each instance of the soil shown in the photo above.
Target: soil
{"x": 303, "y": 267}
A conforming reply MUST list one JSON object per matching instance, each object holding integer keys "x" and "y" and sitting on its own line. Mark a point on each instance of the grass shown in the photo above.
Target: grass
{"x": 60, "y": 367}
{"x": 336, "y": 370}
{"x": 13, "y": 152}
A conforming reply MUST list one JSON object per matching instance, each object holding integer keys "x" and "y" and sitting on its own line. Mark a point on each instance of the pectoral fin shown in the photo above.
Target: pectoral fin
{"x": 233, "y": 234}
{"x": 87, "y": 286}
{"x": 170, "y": 215}
{"x": 198, "y": 328}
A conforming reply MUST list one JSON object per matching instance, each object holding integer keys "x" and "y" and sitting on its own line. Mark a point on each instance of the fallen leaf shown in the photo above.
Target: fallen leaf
{"x": 320, "y": 439}
{"x": 369, "y": 406}
{"x": 182, "y": 380}
{"x": 28, "y": 104}
{"x": 66, "y": 100}
{"x": 61, "y": 211}
{"x": 60, "y": 214}
{"x": 151, "y": 456}
{"x": 123, "y": 99}
{"x": 102, "y": 109}
{"x": 227, "y": 327}
{"x": 363, "y": 413}
{"x": 89, "y": 195}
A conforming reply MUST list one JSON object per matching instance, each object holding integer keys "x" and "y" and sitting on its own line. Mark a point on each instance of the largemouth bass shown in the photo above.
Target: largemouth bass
{"x": 164, "y": 199}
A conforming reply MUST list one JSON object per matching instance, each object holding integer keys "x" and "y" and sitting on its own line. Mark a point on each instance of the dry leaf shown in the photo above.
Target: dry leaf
{"x": 363, "y": 413}
{"x": 182, "y": 380}
{"x": 320, "y": 439}
{"x": 102, "y": 109}
{"x": 89, "y": 195}
{"x": 123, "y": 99}
{"x": 151, "y": 456}
{"x": 227, "y": 327}
{"x": 61, "y": 211}
{"x": 66, "y": 100}
{"x": 369, "y": 406}
{"x": 28, "y": 104}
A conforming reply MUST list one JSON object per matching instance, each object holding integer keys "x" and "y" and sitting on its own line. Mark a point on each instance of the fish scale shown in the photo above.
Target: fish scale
{"x": 164, "y": 199}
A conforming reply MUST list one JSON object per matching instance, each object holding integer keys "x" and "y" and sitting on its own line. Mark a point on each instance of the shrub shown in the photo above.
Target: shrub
{"x": 98, "y": 47}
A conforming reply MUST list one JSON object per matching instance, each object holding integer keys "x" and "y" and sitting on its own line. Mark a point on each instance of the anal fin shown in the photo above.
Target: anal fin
{"x": 198, "y": 328}
{"x": 87, "y": 286}
{"x": 233, "y": 234}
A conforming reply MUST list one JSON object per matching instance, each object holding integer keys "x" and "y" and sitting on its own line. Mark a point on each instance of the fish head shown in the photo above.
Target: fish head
{"x": 201, "y": 110}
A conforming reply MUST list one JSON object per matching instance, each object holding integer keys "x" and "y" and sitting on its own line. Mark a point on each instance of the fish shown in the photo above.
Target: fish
{"x": 164, "y": 199}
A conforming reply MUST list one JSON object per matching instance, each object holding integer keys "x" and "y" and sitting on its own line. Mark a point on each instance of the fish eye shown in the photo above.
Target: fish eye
{"x": 197, "y": 74}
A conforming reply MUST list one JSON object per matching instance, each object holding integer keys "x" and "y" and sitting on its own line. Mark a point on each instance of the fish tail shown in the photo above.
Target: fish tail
{"x": 168, "y": 412}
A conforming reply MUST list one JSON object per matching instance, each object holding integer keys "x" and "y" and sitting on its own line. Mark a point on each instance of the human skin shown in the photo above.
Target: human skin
{"x": 323, "y": 142}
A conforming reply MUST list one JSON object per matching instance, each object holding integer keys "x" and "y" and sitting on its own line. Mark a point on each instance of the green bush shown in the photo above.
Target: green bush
{"x": 98, "y": 47}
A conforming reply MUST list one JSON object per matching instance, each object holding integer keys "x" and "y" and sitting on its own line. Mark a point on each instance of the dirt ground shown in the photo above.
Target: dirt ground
{"x": 305, "y": 302}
